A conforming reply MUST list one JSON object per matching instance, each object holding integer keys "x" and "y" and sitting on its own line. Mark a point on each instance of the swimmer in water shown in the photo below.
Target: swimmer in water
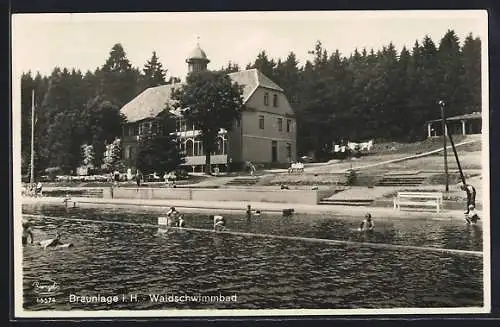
{"x": 52, "y": 242}
{"x": 367, "y": 224}
{"x": 181, "y": 223}
{"x": 27, "y": 232}
{"x": 219, "y": 223}
{"x": 173, "y": 217}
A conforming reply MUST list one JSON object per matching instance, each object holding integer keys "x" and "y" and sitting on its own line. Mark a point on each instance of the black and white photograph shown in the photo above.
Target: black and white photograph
{"x": 193, "y": 164}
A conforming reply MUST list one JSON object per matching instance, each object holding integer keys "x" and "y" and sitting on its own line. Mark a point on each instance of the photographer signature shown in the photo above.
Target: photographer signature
{"x": 45, "y": 286}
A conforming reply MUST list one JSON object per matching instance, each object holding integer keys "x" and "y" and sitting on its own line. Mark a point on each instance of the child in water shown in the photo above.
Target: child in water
{"x": 219, "y": 223}
{"x": 367, "y": 224}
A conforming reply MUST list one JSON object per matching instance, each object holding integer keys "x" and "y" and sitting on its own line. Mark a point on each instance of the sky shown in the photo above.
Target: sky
{"x": 40, "y": 42}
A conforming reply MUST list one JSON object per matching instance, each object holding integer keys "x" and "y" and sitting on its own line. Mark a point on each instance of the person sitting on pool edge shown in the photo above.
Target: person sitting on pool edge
{"x": 367, "y": 224}
{"x": 219, "y": 223}
{"x": 471, "y": 216}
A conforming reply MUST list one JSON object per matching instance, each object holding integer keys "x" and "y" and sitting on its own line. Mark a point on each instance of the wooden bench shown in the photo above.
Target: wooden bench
{"x": 419, "y": 199}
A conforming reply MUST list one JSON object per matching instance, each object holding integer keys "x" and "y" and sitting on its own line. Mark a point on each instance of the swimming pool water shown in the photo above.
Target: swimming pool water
{"x": 112, "y": 259}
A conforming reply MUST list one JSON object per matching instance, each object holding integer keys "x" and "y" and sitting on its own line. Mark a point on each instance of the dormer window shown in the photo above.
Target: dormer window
{"x": 275, "y": 100}
{"x": 266, "y": 99}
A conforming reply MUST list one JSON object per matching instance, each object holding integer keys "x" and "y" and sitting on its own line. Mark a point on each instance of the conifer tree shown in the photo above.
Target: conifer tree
{"x": 154, "y": 74}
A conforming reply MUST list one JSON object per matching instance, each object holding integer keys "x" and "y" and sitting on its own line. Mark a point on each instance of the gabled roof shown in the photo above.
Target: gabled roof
{"x": 154, "y": 100}
{"x": 149, "y": 103}
{"x": 474, "y": 115}
{"x": 251, "y": 79}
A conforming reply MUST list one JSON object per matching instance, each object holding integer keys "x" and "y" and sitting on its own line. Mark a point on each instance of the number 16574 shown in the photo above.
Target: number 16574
{"x": 45, "y": 300}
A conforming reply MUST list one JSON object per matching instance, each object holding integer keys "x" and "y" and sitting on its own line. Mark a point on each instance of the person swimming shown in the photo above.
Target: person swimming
{"x": 27, "y": 232}
{"x": 219, "y": 223}
{"x": 52, "y": 242}
{"x": 471, "y": 216}
{"x": 367, "y": 224}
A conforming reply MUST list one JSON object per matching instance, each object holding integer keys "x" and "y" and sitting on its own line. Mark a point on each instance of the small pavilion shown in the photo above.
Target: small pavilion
{"x": 459, "y": 125}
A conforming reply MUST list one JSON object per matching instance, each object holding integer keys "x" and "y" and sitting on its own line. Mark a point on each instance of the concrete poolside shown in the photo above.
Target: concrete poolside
{"x": 240, "y": 206}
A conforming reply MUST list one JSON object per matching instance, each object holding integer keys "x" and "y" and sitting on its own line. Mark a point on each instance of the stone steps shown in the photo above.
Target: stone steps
{"x": 243, "y": 181}
{"x": 401, "y": 181}
{"x": 347, "y": 202}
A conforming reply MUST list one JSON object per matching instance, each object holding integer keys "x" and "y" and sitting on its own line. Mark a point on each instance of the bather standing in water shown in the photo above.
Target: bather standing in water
{"x": 367, "y": 224}
{"x": 219, "y": 223}
{"x": 173, "y": 217}
{"x": 180, "y": 222}
{"x": 27, "y": 232}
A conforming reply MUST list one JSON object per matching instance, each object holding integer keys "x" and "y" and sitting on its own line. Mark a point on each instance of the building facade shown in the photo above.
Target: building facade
{"x": 266, "y": 132}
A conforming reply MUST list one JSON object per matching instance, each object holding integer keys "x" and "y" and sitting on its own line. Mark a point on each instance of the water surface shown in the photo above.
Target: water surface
{"x": 264, "y": 273}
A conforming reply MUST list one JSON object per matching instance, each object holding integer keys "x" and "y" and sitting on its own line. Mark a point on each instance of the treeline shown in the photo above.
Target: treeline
{"x": 381, "y": 94}
{"x": 377, "y": 93}
{"x": 74, "y": 109}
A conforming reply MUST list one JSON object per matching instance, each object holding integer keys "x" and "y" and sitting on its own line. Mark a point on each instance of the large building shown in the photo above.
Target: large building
{"x": 266, "y": 132}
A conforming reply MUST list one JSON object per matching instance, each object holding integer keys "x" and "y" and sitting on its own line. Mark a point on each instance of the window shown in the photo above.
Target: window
{"x": 275, "y": 100}
{"x": 189, "y": 147}
{"x": 132, "y": 152}
{"x": 289, "y": 151}
{"x": 261, "y": 121}
{"x": 198, "y": 147}
{"x": 266, "y": 99}
{"x": 280, "y": 124}
{"x": 220, "y": 145}
{"x": 288, "y": 125}
{"x": 127, "y": 152}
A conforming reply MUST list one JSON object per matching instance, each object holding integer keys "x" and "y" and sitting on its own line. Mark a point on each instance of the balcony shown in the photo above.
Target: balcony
{"x": 215, "y": 159}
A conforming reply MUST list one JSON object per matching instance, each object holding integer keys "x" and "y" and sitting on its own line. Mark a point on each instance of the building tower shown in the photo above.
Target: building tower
{"x": 197, "y": 60}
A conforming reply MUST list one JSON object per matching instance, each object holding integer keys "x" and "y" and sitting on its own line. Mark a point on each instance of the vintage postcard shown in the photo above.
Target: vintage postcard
{"x": 250, "y": 163}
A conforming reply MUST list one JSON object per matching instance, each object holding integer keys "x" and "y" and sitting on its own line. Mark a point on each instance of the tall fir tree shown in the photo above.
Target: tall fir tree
{"x": 119, "y": 80}
{"x": 471, "y": 79}
{"x": 451, "y": 70}
{"x": 153, "y": 72}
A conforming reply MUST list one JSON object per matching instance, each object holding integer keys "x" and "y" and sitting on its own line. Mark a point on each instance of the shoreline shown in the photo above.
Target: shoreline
{"x": 240, "y": 207}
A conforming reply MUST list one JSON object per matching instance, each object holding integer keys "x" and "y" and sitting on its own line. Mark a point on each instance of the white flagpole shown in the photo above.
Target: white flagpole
{"x": 32, "y": 173}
